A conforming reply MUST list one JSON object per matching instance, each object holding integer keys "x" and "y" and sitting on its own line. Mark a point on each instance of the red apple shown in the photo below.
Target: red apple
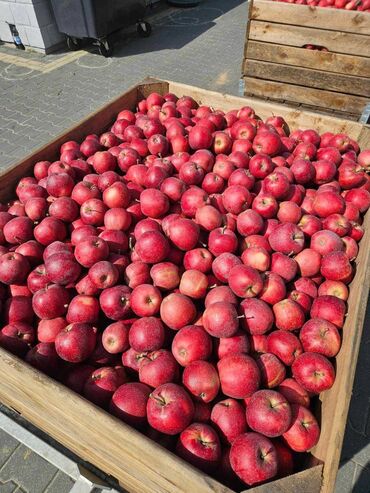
{"x": 314, "y": 372}
{"x": 238, "y": 343}
{"x": 334, "y": 288}
{"x": 335, "y": 266}
{"x": 157, "y": 368}
{"x": 239, "y": 375}
{"x": 220, "y": 293}
{"x": 115, "y": 337}
{"x": 50, "y": 302}
{"x": 309, "y": 262}
{"x": 17, "y": 338}
{"x": 102, "y": 383}
{"x": 258, "y": 316}
{"x": 177, "y": 310}
{"x": 268, "y": 412}
{"x": 288, "y": 315}
{"x": 200, "y": 378}
{"x": 83, "y": 309}
{"x": 245, "y": 281}
{"x": 169, "y": 409}
{"x": 152, "y": 247}
{"x": 191, "y": 343}
{"x": 274, "y": 289}
{"x": 253, "y": 458}
{"x": 220, "y": 319}
{"x": 304, "y": 431}
{"x": 229, "y": 418}
{"x": 129, "y": 403}
{"x": 285, "y": 345}
{"x": 184, "y": 233}
{"x": 14, "y": 268}
{"x": 115, "y": 302}
{"x": 320, "y": 336}
{"x": 287, "y": 238}
{"x": 271, "y": 368}
{"x": 329, "y": 308}
{"x": 200, "y": 445}
{"x": 76, "y": 342}
{"x": 294, "y": 392}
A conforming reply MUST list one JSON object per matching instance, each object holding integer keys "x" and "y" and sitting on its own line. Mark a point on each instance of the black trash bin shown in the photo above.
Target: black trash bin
{"x": 97, "y": 19}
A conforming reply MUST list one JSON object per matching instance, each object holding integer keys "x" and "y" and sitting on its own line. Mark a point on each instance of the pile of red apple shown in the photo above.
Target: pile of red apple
{"x": 188, "y": 271}
{"x": 314, "y": 47}
{"x": 360, "y": 5}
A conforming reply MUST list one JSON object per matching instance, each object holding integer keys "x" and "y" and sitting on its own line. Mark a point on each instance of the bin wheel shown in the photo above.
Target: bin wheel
{"x": 144, "y": 29}
{"x": 73, "y": 44}
{"x": 105, "y": 48}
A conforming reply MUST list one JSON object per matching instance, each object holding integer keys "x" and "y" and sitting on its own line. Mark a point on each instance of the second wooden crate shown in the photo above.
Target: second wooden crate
{"x": 277, "y": 66}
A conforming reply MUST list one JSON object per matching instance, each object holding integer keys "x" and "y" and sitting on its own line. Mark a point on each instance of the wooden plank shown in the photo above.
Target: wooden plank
{"x": 249, "y": 13}
{"x": 135, "y": 461}
{"x": 307, "y": 481}
{"x": 359, "y": 86}
{"x": 334, "y": 41}
{"x": 335, "y": 402}
{"x": 306, "y": 95}
{"x": 317, "y": 17}
{"x": 300, "y": 57}
{"x": 294, "y": 117}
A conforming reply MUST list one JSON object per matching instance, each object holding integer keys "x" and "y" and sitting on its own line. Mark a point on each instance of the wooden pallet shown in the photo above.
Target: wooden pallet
{"x": 276, "y": 65}
{"x": 139, "y": 464}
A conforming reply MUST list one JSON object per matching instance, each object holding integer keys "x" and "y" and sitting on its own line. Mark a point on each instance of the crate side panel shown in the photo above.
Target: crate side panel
{"x": 307, "y": 95}
{"x": 334, "y": 41}
{"x": 308, "y": 16}
{"x": 315, "y": 59}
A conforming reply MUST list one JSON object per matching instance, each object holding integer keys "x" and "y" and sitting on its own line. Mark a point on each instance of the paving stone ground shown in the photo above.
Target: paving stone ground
{"x": 40, "y": 96}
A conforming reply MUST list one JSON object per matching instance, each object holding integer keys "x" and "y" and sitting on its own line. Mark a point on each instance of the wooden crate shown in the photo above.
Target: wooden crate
{"x": 140, "y": 465}
{"x": 276, "y": 66}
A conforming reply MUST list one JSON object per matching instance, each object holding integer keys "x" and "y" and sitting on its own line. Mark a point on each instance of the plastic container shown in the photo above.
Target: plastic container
{"x": 96, "y": 19}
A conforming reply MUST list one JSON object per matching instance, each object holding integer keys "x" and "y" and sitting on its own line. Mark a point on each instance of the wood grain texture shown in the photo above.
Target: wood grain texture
{"x": 295, "y": 35}
{"x": 307, "y": 481}
{"x": 317, "y": 17}
{"x": 358, "y": 86}
{"x": 305, "y": 95}
{"x": 139, "y": 464}
{"x": 301, "y": 57}
{"x": 136, "y": 461}
{"x": 335, "y": 402}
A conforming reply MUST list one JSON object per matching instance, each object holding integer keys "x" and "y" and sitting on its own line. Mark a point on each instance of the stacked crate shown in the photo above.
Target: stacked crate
{"x": 277, "y": 66}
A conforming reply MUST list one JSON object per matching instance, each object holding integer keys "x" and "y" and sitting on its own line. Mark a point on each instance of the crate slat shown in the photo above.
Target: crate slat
{"x": 358, "y": 86}
{"x": 300, "y": 57}
{"x": 312, "y": 96}
{"x": 308, "y": 16}
{"x": 307, "y": 481}
{"x": 286, "y": 34}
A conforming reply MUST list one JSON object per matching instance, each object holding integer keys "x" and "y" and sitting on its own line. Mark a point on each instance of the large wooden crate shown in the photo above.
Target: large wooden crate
{"x": 276, "y": 65}
{"x": 139, "y": 464}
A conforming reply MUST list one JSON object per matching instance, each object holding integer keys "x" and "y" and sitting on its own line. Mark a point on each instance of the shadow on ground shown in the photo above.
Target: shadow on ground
{"x": 172, "y": 29}
{"x": 355, "y": 459}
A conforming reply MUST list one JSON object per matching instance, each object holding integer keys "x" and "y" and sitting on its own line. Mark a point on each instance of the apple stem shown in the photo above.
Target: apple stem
{"x": 158, "y": 399}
